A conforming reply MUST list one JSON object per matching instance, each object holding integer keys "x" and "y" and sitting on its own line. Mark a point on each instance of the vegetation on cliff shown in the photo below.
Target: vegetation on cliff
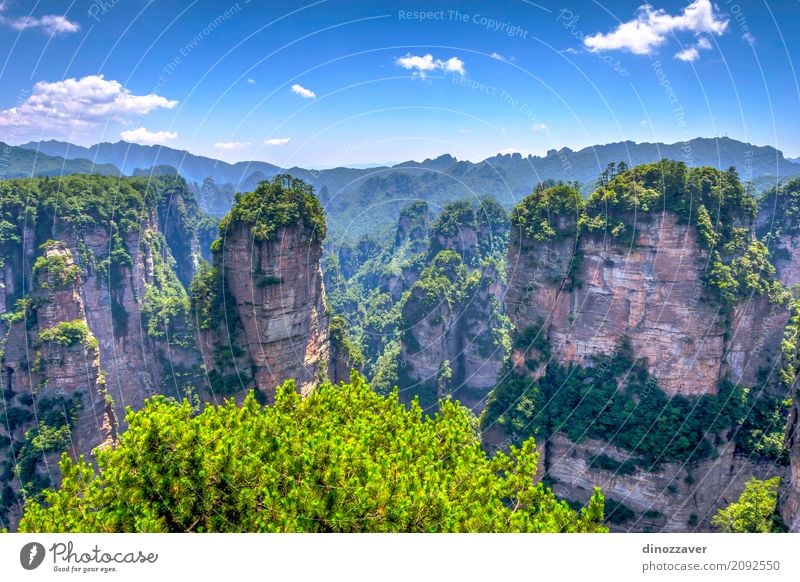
{"x": 617, "y": 400}
{"x": 715, "y": 202}
{"x": 756, "y": 511}
{"x": 782, "y": 205}
{"x": 117, "y": 237}
{"x": 281, "y": 202}
{"x": 343, "y": 459}
{"x": 68, "y": 334}
{"x": 386, "y": 287}
{"x": 549, "y": 212}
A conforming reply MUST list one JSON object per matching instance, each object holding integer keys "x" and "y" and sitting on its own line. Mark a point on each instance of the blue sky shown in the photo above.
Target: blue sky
{"x": 336, "y": 83}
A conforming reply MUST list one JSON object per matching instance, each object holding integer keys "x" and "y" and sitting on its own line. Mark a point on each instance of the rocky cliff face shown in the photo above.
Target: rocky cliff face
{"x": 677, "y": 497}
{"x": 790, "y": 504}
{"x": 652, "y": 293}
{"x": 588, "y": 294}
{"x": 274, "y": 291}
{"x": 269, "y": 321}
{"x": 777, "y": 224}
{"x": 94, "y": 319}
{"x": 453, "y": 348}
{"x": 54, "y": 386}
{"x": 453, "y": 331}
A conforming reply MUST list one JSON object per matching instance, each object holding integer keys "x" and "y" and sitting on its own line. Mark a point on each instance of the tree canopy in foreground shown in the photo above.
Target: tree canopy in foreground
{"x": 345, "y": 459}
{"x": 755, "y": 511}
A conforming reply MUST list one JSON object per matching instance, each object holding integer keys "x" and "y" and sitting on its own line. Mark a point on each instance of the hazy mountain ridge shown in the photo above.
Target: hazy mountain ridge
{"x": 366, "y": 200}
{"x": 17, "y": 162}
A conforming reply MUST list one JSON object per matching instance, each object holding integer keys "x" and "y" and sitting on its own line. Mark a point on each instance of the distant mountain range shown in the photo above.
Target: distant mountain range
{"x": 361, "y": 200}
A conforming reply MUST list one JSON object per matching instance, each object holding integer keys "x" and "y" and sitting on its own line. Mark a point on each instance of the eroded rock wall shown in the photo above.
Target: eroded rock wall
{"x": 274, "y": 289}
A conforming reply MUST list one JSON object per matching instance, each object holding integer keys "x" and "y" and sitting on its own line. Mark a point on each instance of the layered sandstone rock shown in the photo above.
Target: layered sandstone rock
{"x": 453, "y": 350}
{"x": 119, "y": 363}
{"x": 779, "y": 228}
{"x": 671, "y": 497}
{"x": 652, "y": 293}
{"x": 59, "y": 382}
{"x": 275, "y": 290}
{"x": 269, "y": 322}
{"x": 586, "y": 297}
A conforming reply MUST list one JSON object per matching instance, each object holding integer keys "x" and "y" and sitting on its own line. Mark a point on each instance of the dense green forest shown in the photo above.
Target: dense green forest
{"x": 345, "y": 459}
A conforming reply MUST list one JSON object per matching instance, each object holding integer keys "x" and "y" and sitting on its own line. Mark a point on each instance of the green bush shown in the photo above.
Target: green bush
{"x": 55, "y": 269}
{"x": 251, "y": 469}
{"x": 549, "y": 212}
{"x": 68, "y": 334}
{"x": 754, "y": 512}
{"x": 283, "y": 201}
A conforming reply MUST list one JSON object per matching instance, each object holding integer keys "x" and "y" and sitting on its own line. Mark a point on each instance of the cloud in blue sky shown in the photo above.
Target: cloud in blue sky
{"x": 303, "y": 92}
{"x": 231, "y": 145}
{"x": 80, "y": 103}
{"x": 52, "y": 24}
{"x": 146, "y": 137}
{"x": 421, "y": 65}
{"x": 651, "y": 28}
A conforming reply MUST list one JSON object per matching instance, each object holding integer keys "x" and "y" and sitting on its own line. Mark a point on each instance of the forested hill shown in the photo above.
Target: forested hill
{"x": 366, "y": 200}
{"x": 17, "y": 162}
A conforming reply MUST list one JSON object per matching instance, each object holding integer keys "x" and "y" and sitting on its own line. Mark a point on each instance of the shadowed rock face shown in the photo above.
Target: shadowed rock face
{"x": 675, "y": 497}
{"x": 651, "y": 293}
{"x": 790, "y": 504}
{"x": 460, "y": 334}
{"x": 784, "y": 242}
{"x": 275, "y": 288}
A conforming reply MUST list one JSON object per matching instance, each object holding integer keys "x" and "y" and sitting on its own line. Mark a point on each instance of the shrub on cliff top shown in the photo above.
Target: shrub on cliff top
{"x": 344, "y": 459}
{"x": 455, "y": 216}
{"x": 712, "y": 200}
{"x": 283, "y": 201}
{"x": 539, "y": 213}
{"x": 784, "y": 204}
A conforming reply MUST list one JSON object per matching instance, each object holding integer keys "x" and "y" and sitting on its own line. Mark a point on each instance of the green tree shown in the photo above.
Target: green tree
{"x": 343, "y": 459}
{"x": 755, "y": 510}
{"x": 282, "y": 202}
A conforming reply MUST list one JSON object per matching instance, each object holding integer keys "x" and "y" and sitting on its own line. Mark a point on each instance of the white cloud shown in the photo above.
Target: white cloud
{"x": 277, "y": 141}
{"x": 454, "y": 65}
{"x": 703, "y": 43}
{"x": 52, "y": 24}
{"x": 651, "y": 27}
{"x": 692, "y": 53}
{"x": 303, "y": 92}
{"x": 420, "y": 65}
{"x": 251, "y": 81}
{"x": 749, "y": 38}
{"x": 80, "y": 103}
{"x": 538, "y": 127}
{"x": 498, "y": 57}
{"x": 147, "y": 137}
{"x": 231, "y": 145}
{"x": 688, "y": 55}
{"x": 410, "y": 62}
